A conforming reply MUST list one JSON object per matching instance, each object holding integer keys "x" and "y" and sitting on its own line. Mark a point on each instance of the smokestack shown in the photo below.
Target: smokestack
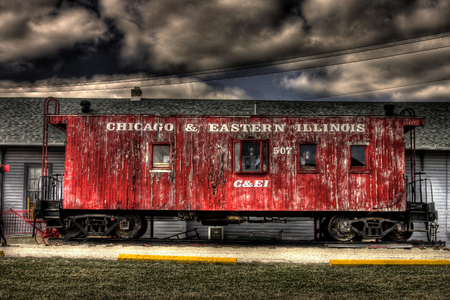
{"x": 136, "y": 94}
{"x": 85, "y": 106}
{"x": 389, "y": 110}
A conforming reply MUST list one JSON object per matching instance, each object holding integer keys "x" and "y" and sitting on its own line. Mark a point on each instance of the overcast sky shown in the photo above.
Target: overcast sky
{"x": 264, "y": 49}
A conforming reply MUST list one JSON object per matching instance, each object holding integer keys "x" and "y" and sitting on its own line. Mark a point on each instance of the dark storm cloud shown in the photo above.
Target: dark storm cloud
{"x": 209, "y": 34}
{"x": 30, "y": 29}
{"x": 83, "y": 40}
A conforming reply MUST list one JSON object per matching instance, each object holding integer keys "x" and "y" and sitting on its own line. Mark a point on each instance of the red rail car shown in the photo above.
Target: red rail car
{"x": 347, "y": 171}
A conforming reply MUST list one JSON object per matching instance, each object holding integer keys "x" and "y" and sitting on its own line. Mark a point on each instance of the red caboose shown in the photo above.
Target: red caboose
{"x": 348, "y": 172}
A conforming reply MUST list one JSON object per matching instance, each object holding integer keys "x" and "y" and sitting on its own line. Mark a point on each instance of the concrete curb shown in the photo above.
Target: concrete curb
{"x": 388, "y": 262}
{"x": 179, "y": 259}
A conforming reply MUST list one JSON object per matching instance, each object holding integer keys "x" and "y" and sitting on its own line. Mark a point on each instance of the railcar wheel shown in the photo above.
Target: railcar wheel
{"x": 144, "y": 226}
{"x": 335, "y": 232}
{"x": 135, "y": 226}
{"x": 397, "y": 236}
{"x": 71, "y": 232}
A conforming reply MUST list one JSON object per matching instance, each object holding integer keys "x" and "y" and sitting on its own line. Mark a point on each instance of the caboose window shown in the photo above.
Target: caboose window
{"x": 308, "y": 159}
{"x": 251, "y": 156}
{"x": 358, "y": 156}
{"x": 161, "y": 156}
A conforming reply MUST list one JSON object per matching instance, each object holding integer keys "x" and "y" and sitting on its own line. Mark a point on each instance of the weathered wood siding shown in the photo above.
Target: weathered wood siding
{"x": 110, "y": 166}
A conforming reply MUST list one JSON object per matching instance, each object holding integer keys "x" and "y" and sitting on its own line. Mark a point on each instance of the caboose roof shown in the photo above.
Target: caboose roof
{"x": 21, "y": 120}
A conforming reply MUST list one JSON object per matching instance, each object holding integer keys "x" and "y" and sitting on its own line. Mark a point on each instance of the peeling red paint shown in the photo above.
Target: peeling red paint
{"x": 109, "y": 163}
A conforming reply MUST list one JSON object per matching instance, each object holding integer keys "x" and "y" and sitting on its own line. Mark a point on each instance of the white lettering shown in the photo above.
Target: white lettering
{"x": 168, "y": 127}
{"x": 121, "y": 126}
{"x": 190, "y": 128}
{"x": 247, "y": 183}
{"x": 266, "y": 128}
{"x": 334, "y": 127}
{"x": 361, "y": 127}
{"x": 245, "y": 127}
{"x": 213, "y": 127}
{"x": 281, "y": 127}
{"x": 148, "y": 127}
{"x": 256, "y": 184}
{"x": 259, "y": 183}
{"x": 345, "y": 127}
{"x": 238, "y": 183}
{"x": 224, "y": 128}
{"x": 305, "y": 128}
{"x": 316, "y": 129}
{"x": 256, "y": 127}
{"x": 138, "y": 126}
{"x": 234, "y": 127}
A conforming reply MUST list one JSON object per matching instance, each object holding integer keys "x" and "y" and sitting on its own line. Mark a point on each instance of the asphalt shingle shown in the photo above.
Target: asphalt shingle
{"x": 21, "y": 118}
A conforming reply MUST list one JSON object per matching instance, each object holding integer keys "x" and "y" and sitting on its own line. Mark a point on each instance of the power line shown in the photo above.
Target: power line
{"x": 377, "y": 90}
{"x": 193, "y": 80}
{"x": 274, "y": 63}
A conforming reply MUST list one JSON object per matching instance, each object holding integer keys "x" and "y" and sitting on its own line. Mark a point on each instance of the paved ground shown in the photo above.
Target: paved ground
{"x": 243, "y": 254}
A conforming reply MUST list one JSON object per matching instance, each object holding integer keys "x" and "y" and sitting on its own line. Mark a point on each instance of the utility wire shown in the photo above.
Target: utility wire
{"x": 173, "y": 79}
{"x": 377, "y": 90}
{"x": 192, "y": 80}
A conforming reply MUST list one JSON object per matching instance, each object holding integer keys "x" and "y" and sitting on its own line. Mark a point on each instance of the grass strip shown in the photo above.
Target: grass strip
{"x": 388, "y": 262}
{"x": 61, "y": 278}
{"x": 179, "y": 259}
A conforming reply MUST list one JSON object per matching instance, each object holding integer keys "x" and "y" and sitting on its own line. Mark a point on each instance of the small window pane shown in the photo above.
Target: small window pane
{"x": 251, "y": 161}
{"x": 161, "y": 156}
{"x": 308, "y": 156}
{"x": 34, "y": 173}
{"x": 358, "y": 156}
{"x": 236, "y": 157}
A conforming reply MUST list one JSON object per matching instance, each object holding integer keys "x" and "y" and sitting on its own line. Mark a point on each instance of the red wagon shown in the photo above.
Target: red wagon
{"x": 40, "y": 232}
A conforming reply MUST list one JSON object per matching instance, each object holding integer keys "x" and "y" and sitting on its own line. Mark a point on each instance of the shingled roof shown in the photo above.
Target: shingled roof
{"x": 21, "y": 118}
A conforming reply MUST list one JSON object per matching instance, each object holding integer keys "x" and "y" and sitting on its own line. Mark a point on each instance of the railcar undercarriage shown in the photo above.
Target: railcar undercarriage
{"x": 341, "y": 227}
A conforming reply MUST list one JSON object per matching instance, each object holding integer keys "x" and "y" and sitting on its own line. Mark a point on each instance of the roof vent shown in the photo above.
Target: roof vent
{"x": 85, "y": 106}
{"x": 136, "y": 94}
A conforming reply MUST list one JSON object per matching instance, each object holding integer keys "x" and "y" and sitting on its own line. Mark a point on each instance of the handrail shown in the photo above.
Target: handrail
{"x": 421, "y": 190}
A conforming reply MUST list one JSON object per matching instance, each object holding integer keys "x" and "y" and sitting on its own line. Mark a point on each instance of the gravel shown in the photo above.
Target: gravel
{"x": 270, "y": 254}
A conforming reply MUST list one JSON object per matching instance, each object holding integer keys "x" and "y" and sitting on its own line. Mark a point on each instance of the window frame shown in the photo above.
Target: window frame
{"x": 261, "y": 142}
{"x": 306, "y": 169}
{"x": 25, "y": 179}
{"x": 170, "y": 167}
{"x": 359, "y": 169}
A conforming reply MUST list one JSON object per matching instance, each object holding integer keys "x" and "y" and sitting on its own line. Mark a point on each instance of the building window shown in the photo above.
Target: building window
{"x": 308, "y": 157}
{"x": 358, "y": 157}
{"x": 251, "y": 156}
{"x": 162, "y": 156}
{"x": 33, "y": 173}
